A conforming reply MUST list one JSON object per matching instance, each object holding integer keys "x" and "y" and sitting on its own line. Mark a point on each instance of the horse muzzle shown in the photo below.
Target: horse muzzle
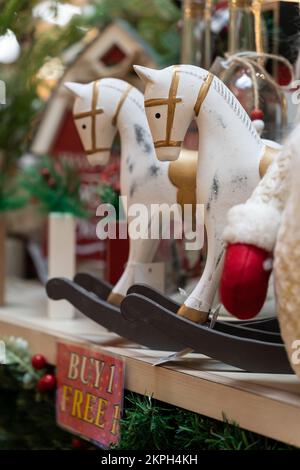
{"x": 167, "y": 154}
{"x": 99, "y": 158}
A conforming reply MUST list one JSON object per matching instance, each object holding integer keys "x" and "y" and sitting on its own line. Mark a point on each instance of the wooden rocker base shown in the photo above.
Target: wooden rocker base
{"x": 249, "y": 330}
{"x": 102, "y": 289}
{"x": 109, "y": 316}
{"x": 92, "y": 284}
{"x": 247, "y": 353}
{"x": 146, "y": 322}
{"x": 270, "y": 326}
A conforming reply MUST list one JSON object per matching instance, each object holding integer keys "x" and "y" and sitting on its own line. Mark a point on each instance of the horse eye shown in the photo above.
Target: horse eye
{"x": 83, "y": 126}
{"x": 157, "y": 115}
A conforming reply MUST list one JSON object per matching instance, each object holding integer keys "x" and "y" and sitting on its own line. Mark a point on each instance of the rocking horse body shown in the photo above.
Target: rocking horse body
{"x": 231, "y": 159}
{"x": 102, "y": 108}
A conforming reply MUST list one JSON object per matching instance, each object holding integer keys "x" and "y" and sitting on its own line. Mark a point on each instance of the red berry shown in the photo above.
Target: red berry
{"x": 77, "y": 443}
{"x": 256, "y": 114}
{"x": 51, "y": 182}
{"x": 38, "y": 361}
{"x": 46, "y": 383}
{"x": 45, "y": 173}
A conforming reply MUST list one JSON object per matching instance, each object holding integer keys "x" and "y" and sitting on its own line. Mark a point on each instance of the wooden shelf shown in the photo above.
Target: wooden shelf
{"x": 266, "y": 404}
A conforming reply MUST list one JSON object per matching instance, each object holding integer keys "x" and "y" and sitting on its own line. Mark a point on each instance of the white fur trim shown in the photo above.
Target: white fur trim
{"x": 255, "y": 224}
{"x": 259, "y": 125}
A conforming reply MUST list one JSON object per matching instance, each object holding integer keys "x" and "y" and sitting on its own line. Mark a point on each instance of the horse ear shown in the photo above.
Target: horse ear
{"x": 146, "y": 75}
{"x": 76, "y": 88}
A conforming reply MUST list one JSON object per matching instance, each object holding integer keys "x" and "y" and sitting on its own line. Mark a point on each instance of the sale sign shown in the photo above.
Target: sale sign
{"x": 90, "y": 388}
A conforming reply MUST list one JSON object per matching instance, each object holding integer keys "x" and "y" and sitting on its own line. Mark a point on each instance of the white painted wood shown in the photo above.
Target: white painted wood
{"x": 61, "y": 258}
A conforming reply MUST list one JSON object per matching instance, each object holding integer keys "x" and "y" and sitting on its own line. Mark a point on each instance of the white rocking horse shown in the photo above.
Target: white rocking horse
{"x": 231, "y": 160}
{"x": 100, "y": 110}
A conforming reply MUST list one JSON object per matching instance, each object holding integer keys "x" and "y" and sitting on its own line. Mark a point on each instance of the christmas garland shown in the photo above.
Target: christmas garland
{"x": 27, "y": 415}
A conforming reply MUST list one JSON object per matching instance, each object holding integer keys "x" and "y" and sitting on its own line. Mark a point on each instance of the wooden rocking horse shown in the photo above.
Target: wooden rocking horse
{"x": 100, "y": 110}
{"x": 232, "y": 159}
{"x": 147, "y": 317}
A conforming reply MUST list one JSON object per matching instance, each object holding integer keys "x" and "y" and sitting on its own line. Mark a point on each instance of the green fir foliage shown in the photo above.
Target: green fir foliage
{"x": 56, "y": 186}
{"x": 151, "y": 425}
{"x": 155, "y": 20}
{"x": 108, "y": 195}
{"x": 27, "y": 418}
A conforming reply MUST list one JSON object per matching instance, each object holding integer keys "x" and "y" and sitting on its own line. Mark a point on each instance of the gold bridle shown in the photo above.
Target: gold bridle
{"x": 94, "y": 112}
{"x": 172, "y": 101}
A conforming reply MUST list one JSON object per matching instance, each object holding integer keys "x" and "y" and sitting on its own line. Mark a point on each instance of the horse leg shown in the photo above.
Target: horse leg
{"x": 127, "y": 278}
{"x": 142, "y": 250}
{"x": 198, "y": 304}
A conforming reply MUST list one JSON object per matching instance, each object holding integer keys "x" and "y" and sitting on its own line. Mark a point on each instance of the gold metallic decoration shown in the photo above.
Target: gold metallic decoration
{"x": 121, "y": 102}
{"x": 171, "y": 102}
{"x": 163, "y": 143}
{"x": 192, "y": 8}
{"x": 268, "y": 157}
{"x": 196, "y": 33}
{"x": 203, "y": 92}
{"x": 256, "y": 10}
{"x": 183, "y": 175}
{"x": 94, "y": 110}
{"x": 192, "y": 314}
{"x": 115, "y": 299}
{"x": 207, "y": 35}
{"x": 93, "y": 113}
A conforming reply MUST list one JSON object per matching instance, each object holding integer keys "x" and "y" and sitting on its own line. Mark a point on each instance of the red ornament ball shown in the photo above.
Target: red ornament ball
{"x": 38, "y": 361}
{"x": 257, "y": 114}
{"x": 47, "y": 383}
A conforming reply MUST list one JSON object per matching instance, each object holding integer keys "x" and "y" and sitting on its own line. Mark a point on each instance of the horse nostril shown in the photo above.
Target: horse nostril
{"x": 157, "y": 115}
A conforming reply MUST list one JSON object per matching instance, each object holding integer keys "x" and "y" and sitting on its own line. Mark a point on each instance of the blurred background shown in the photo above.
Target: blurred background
{"x": 43, "y": 168}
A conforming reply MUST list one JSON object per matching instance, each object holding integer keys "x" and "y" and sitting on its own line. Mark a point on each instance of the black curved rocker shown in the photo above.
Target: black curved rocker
{"x": 91, "y": 283}
{"x": 109, "y": 316}
{"x": 253, "y": 355}
{"x": 102, "y": 289}
{"x": 268, "y": 324}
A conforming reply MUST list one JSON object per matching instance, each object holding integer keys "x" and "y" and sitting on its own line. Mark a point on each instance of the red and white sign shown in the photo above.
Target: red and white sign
{"x": 90, "y": 388}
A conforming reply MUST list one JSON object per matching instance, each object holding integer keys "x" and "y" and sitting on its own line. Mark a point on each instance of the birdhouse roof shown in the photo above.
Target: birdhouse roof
{"x": 111, "y": 53}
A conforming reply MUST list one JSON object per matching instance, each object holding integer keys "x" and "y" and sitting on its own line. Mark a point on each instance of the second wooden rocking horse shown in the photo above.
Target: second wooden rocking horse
{"x": 100, "y": 110}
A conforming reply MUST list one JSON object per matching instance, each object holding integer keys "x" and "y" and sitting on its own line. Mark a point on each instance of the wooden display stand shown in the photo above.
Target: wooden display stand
{"x": 268, "y": 404}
